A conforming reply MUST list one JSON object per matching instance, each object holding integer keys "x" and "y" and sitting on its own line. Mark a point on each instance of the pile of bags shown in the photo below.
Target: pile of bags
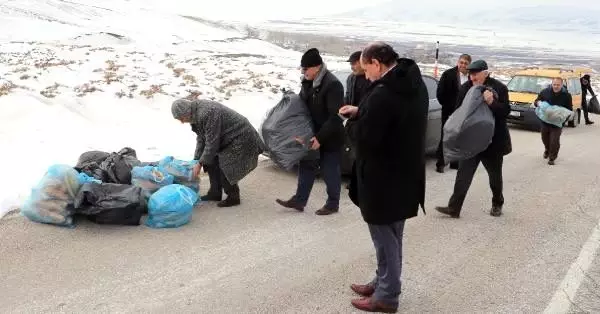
{"x": 116, "y": 189}
{"x": 286, "y": 131}
{"x": 555, "y": 115}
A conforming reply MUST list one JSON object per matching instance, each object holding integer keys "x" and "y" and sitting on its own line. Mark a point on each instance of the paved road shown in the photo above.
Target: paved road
{"x": 259, "y": 258}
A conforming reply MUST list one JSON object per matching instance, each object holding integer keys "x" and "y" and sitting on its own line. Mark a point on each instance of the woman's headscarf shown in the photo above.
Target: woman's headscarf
{"x": 181, "y": 109}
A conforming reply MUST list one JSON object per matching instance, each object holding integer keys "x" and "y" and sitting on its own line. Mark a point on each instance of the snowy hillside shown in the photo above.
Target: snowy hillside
{"x": 77, "y": 77}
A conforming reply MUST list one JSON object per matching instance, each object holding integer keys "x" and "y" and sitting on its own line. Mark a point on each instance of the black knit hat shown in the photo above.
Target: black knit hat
{"x": 311, "y": 58}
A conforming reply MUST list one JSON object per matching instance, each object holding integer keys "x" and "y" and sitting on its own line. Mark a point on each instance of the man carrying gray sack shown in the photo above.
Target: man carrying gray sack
{"x": 323, "y": 94}
{"x": 493, "y": 156}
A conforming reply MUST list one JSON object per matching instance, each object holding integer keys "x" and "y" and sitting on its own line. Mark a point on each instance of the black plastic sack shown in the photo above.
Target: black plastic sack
{"x": 287, "y": 130}
{"x": 469, "y": 130}
{"x": 110, "y": 203}
{"x": 109, "y": 168}
{"x": 593, "y": 105}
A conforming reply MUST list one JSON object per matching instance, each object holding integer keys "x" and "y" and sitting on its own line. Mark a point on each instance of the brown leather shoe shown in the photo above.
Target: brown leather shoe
{"x": 291, "y": 203}
{"x": 326, "y": 211}
{"x": 363, "y": 290}
{"x": 368, "y": 305}
{"x": 448, "y": 211}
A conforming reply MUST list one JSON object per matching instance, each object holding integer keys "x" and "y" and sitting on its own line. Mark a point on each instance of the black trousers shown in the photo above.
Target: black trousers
{"x": 218, "y": 181}
{"x": 464, "y": 177}
{"x": 551, "y": 140}
{"x": 584, "y": 107}
{"x": 440, "y": 150}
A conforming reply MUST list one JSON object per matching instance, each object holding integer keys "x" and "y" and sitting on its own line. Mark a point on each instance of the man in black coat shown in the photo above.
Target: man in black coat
{"x": 356, "y": 83}
{"x": 356, "y": 88}
{"x": 585, "y": 87}
{"x": 388, "y": 181}
{"x": 491, "y": 158}
{"x": 555, "y": 95}
{"x": 447, "y": 94}
{"x": 323, "y": 93}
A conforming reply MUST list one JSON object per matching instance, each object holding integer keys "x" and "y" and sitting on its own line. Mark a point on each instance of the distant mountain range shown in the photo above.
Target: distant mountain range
{"x": 574, "y": 17}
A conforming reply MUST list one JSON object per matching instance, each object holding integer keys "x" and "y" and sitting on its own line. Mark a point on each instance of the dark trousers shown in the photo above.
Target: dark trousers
{"x": 464, "y": 177}
{"x": 218, "y": 181}
{"x": 551, "y": 140}
{"x": 329, "y": 164}
{"x": 387, "y": 240}
{"x": 440, "y": 150}
{"x": 584, "y": 107}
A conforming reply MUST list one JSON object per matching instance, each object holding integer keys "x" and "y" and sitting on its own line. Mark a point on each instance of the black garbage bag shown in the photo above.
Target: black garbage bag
{"x": 593, "y": 105}
{"x": 286, "y": 131}
{"x": 109, "y": 168}
{"x": 111, "y": 203}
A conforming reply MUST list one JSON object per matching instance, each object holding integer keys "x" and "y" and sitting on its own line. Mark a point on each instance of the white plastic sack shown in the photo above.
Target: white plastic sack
{"x": 288, "y": 120}
{"x": 551, "y": 114}
{"x": 469, "y": 130}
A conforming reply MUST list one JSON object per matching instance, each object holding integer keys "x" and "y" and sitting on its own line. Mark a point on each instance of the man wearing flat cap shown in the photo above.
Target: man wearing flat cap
{"x": 356, "y": 83}
{"x": 323, "y": 93}
{"x": 491, "y": 158}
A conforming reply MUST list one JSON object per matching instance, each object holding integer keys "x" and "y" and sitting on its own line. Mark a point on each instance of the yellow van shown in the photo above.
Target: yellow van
{"x": 525, "y": 85}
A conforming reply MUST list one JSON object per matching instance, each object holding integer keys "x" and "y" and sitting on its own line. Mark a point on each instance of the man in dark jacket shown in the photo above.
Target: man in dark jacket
{"x": 356, "y": 83}
{"x": 388, "y": 181}
{"x": 356, "y": 88}
{"x": 585, "y": 87}
{"x": 555, "y": 95}
{"x": 491, "y": 158}
{"x": 447, "y": 93}
{"x": 323, "y": 93}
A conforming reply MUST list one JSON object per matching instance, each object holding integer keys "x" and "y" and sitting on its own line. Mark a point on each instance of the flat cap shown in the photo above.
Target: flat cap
{"x": 477, "y": 66}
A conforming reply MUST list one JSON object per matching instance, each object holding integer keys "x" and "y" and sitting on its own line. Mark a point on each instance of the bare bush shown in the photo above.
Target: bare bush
{"x": 154, "y": 89}
{"x": 6, "y": 88}
{"x": 84, "y": 89}
{"x": 190, "y": 79}
{"x": 178, "y": 71}
{"x": 50, "y": 91}
{"x": 24, "y": 77}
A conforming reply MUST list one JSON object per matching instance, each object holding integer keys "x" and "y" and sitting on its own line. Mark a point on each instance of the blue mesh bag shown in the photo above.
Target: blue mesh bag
{"x": 51, "y": 200}
{"x": 171, "y": 206}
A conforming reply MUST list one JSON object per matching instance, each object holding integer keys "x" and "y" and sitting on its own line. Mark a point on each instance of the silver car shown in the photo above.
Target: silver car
{"x": 434, "y": 124}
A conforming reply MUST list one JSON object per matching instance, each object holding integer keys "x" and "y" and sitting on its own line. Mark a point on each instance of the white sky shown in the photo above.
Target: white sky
{"x": 253, "y": 10}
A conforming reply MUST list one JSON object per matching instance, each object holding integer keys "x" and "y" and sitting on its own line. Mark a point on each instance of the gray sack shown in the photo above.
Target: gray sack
{"x": 290, "y": 118}
{"x": 469, "y": 130}
{"x": 593, "y": 105}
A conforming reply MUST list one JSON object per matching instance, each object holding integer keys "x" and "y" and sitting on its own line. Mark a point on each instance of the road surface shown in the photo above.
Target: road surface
{"x": 260, "y": 258}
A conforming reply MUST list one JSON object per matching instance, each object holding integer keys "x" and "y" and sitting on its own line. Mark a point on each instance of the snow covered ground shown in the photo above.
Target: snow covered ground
{"x": 94, "y": 77}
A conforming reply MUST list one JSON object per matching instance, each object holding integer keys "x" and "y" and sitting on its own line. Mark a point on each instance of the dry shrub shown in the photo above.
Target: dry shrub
{"x": 178, "y": 71}
{"x": 24, "y": 77}
{"x": 20, "y": 70}
{"x": 44, "y": 64}
{"x": 6, "y": 88}
{"x": 85, "y": 89}
{"x": 154, "y": 89}
{"x": 190, "y": 79}
{"x": 50, "y": 91}
{"x": 193, "y": 94}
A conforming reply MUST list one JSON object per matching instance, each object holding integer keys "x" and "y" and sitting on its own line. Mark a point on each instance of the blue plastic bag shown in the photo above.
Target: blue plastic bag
{"x": 84, "y": 178}
{"x": 180, "y": 169}
{"x": 555, "y": 115}
{"x": 51, "y": 201}
{"x": 171, "y": 206}
{"x": 150, "y": 179}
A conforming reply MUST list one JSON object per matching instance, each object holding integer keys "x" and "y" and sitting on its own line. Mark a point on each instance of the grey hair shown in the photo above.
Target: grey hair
{"x": 181, "y": 108}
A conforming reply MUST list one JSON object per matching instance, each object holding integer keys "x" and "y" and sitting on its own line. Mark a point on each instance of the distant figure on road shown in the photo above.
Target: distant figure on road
{"x": 323, "y": 93}
{"x": 388, "y": 179}
{"x": 227, "y": 145}
{"x": 493, "y": 157}
{"x": 447, "y": 94}
{"x": 585, "y": 87}
{"x": 555, "y": 95}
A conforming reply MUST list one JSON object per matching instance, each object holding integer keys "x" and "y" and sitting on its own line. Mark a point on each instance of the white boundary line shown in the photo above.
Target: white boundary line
{"x": 565, "y": 294}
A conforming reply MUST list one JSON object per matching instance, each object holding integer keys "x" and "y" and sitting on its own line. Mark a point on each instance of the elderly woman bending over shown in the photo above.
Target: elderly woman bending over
{"x": 227, "y": 145}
